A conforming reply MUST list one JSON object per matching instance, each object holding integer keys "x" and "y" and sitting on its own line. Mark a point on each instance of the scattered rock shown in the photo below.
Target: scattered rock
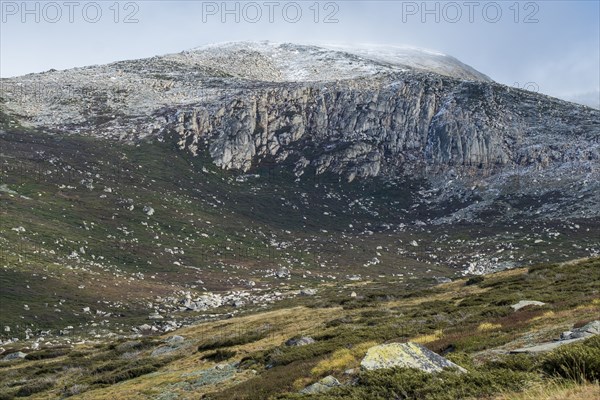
{"x": 144, "y": 327}
{"x": 221, "y": 367}
{"x": 15, "y": 356}
{"x": 308, "y": 292}
{"x": 175, "y": 339}
{"x": 405, "y": 355}
{"x": 324, "y": 385}
{"x": 525, "y": 303}
{"x": 303, "y": 341}
{"x": 283, "y": 273}
{"x": 543, "y": 347}
{"x": 148, "y": 210}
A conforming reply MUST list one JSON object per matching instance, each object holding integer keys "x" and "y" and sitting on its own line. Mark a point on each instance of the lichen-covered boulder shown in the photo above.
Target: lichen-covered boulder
{"x": 405, "y": 355}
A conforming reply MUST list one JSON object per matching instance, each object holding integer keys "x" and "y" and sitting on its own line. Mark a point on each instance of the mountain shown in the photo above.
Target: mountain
{"x": 231, "y": 177}
{"x": 354, "y": 112}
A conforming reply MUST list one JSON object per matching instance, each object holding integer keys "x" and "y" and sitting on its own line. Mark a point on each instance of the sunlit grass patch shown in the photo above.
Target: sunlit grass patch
{"x": 546, "y": 315}
{"x": 342, "y": 359}
{"x": 423, "y": 339}
{"x": 488, "y": 327}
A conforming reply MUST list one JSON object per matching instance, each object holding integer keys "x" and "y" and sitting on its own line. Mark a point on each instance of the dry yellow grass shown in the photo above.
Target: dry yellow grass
{"x": 556, "y": 391}
{"x": 488, "y": 326}
{"x": 546, "y": 315}
{"x": 342, "y": 359}
{"x": 424, "y": 339}
{"x": 284, "y": 323}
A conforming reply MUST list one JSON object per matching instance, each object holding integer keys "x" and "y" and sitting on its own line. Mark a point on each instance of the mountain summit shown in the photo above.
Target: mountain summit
{"x": 287, "y": 62}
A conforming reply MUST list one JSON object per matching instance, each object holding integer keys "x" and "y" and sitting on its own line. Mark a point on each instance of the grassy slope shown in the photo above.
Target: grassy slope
{"x": 475, "y": 319}
{"x": 82, "y": 244}
{"x": 56, "y": 190}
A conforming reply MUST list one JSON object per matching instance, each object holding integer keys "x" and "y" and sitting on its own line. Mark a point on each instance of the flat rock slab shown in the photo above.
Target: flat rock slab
{"x": 525, "y": 303}
{"x": 589, "y": 329}
{"x": 544, "y": 347}
{"x": 406, "y": 355}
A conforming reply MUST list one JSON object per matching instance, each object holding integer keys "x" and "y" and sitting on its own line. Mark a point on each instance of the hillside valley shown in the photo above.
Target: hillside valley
{"x": 371, "y": 196}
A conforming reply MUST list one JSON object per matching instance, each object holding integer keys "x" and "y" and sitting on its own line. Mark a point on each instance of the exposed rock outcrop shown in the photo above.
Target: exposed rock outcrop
{"x": 576, "y": 334}
{"x": 526, "y": 303}
{"x": 324, "y": 385}
{"x": 405, "y": 355}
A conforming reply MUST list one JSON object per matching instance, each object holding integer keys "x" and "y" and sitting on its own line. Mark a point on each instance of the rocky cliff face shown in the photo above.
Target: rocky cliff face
{"x": 356, "y": 114}
{"x": 390, "y": 124}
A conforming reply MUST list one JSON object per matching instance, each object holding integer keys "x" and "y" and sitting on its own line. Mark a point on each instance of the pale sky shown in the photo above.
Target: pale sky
{"x": 550, "y": 45}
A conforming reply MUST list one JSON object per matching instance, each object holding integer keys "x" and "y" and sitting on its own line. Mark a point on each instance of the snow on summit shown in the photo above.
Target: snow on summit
{"x": 303, "y": 63}
{"x": 205, "y": 75}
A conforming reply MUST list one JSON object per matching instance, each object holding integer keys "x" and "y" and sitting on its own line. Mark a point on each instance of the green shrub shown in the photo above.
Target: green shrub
{"x": 7, "y": 394}
{"x": 287, "y": 355}
{"x": 125, "y": 374}
{"x": 74, "y": 390}
{"x": 495, "y": 312}
{"x": 235, "y": 340}
{"x": 47, "y": 353}
{"x": 77, "y": 354}
{"x": 462, "y": 359}
{"x": 33, "y": 387}
{"x": 578, "y": 361}
{"x": 474, "y": 280}
{"x": 109, "y": 366}
{"x": 219, "y": 355}
{"x": 124, "y": 370}
{"x": 411, "y": 384}
{"x": 268, "y": 384}
{"x": 337, "y": 322}
{"x": 515, "y": 362}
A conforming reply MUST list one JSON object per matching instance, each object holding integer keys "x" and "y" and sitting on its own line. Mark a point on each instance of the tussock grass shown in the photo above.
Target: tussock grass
{"x": 579, "y": 362}
{"x": 556, "y": 390}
